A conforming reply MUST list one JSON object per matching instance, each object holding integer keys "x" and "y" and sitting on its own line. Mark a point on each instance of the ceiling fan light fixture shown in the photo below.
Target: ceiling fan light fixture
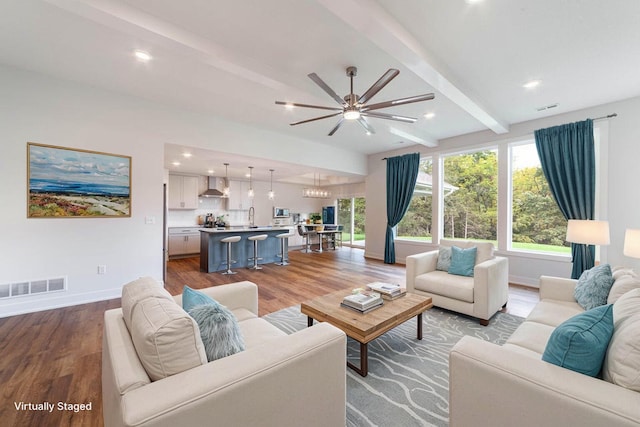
{"x": 351, "y": 114}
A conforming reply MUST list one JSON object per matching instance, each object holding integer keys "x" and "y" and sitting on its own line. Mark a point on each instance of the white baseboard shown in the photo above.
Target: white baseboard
{"x": 26, "y": 305}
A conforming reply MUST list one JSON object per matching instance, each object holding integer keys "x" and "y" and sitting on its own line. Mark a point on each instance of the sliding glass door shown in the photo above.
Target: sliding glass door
{"x": 351, "y": 217}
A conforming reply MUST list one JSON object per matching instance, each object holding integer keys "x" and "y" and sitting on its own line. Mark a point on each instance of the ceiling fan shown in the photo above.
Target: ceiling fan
{"x": 354, "y": 107}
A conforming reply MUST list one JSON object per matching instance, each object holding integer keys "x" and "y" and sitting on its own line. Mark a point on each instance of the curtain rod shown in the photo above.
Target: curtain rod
{"x": 606, "y": 117}
{"x": 609, "y": 116}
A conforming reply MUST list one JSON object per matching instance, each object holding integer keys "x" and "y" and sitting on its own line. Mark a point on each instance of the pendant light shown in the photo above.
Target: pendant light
{"x": 250, "y": 193}
{"x": 272, "y": 195}
{"x": 316, "y": 192}
{"x": 226, "y": 190}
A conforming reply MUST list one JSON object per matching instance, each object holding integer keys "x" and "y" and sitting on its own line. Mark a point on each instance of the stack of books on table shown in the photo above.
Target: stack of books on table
{"x": 387, "y": 290}
{"x": 362, "y": 302}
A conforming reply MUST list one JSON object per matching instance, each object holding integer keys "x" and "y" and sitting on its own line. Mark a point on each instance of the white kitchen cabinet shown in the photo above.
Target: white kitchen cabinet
{"x": 184, "y": 241}
{"x": 238, "y": 196}
{"x": 183, "y": 192}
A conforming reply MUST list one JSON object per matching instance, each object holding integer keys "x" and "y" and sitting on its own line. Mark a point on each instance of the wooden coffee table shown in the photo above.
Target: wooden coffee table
{"x": 365, "y": 327}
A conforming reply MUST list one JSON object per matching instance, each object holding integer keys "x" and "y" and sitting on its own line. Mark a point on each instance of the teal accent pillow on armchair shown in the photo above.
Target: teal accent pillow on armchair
{"x": 462, "y": 261}
{"x": 580, "y": 343}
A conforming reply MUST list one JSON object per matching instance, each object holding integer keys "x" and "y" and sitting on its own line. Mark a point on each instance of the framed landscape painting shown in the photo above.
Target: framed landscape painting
{"x": 71, "y": 183}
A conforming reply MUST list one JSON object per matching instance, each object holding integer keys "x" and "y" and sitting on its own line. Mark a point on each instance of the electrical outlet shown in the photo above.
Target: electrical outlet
{"x": 102, "y": 269}
{"x": 149, "y": 219}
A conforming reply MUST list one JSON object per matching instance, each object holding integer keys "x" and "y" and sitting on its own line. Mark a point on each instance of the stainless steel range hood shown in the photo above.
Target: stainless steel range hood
{"x": 215, "y": 187}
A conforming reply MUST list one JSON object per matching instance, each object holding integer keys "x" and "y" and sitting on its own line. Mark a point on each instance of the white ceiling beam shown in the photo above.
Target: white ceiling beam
{"x": 427, "y": 142}
{"x": 375, "y": 24}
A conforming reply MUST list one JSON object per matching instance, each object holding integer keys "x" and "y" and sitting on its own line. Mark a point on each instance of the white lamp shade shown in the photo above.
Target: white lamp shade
{"x": 632, "y": 243}
{"x": 588, "y": 232}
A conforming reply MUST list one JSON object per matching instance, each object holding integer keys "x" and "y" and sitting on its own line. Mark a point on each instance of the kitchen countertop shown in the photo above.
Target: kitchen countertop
{"x": 244, "y": 229}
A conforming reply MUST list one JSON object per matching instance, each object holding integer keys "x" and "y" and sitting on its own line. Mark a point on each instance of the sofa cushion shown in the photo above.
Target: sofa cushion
{"x": 553, "y": 313}
{"x": 622, "y": 362}
{"x": 621, "y": 285}
{"x": 593, "y": 286}
{"x": 532, "y": 336}
{"x": 445, "y": 284}
{"x": 580, "y": 343}
{"x": 444, "y": 258}
{"x": 257, "y": 331}
{"x": 219, "y": 330}
{"x": 138, "y": 290}
{"x": 462, "y": 261}
{"x": 485, "y": 249}
{"x": 166, "y": 338}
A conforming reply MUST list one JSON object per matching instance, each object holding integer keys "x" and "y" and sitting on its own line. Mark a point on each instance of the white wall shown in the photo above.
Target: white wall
{"x": 621, "y": 203}
{"x": 36, "y": 108}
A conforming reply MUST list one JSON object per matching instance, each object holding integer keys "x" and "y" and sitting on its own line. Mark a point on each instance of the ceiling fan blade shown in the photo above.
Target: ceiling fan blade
{"x": 326, "y": 88}
{"x": 396, "y": 102}
{"x": 365, "y": 124}
{"x": 315, "y": 118}
{"x": 390, "y": 117}
{"x": 377, "y": 86}
{"x": 295, "y": 104}
{"x": 337, "y": 126}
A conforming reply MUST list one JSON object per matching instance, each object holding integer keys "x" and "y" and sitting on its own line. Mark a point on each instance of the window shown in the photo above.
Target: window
{"x": 536, "y": 221}
{"x": 416, "y": 223}
{"x": 351, "y": 215}
{"x": 470, "y": 212}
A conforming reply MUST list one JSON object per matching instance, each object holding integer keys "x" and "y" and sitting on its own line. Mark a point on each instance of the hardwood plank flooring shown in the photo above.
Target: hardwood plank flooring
{"x": 55, "y": 355}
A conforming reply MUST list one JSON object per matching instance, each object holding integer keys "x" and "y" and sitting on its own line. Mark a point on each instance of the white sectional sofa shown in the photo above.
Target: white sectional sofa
{"x": 510, "y": 385}
{"x": 278, "y": 380}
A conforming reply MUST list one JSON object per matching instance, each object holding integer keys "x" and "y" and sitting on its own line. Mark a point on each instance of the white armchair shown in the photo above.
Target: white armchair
{"x": 479, "y": 296}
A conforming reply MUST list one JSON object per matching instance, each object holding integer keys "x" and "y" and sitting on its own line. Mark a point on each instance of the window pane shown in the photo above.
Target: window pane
{"x": 470, "y": 207}
{"x": 536, "y": 223}
{"x": 416, "y": 223}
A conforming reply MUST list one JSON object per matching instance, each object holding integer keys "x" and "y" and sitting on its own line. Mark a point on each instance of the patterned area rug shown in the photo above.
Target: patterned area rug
{"x": 408, "y": 381}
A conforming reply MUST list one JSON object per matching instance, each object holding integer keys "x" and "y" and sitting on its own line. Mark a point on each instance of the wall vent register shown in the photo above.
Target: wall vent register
{"x": 34, "y": 287}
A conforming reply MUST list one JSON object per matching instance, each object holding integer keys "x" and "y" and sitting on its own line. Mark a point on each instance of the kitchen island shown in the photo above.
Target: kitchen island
{"x": 213, "y": 253}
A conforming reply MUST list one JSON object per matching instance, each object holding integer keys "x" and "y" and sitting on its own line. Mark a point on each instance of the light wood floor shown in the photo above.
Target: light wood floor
{"x": 55, "y": 355}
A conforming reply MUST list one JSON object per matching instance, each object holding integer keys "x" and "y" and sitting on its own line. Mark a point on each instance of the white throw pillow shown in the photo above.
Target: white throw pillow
{"x": 166, "y": 338}
{"x": 139, "y": 290}
{"x": 621, "y": 286}
{"x": 622, "y": 362}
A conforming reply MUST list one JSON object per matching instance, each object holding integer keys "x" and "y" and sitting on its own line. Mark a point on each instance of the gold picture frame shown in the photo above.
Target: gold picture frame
{"x": 73, "y": 183}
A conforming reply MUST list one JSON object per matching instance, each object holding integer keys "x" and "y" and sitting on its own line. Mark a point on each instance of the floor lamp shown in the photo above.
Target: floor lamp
{"x": 588, "y": 232}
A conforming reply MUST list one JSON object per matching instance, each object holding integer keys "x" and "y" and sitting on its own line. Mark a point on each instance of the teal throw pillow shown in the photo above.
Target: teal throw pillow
{"x": 192, "y": 298}
{"x": 444, "y": 258}
{"x": 462, "y": 261}
{"x": 219, "y": 330}
{"x": 580, "y": 343}
{"x": 592, "y": 289}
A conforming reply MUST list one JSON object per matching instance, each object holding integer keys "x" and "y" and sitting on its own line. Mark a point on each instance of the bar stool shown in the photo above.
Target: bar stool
{"x": 302, "y": 231}
{"x": 229, "y": 240}
{"x": 255, "y": 258}
{"x": 283, "y": 253}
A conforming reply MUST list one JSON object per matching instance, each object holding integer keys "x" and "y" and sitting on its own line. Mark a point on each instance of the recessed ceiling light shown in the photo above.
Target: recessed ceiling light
{"x": 429, "y": 115}
{"x": 289, "y": 106}
{"x": 473, "y": 1}
{"x": 187, "y": 155}
{"x": 176, "y": 163}
{"x": 247, "y": 175}
{"x": 142, "y": 55}
{"x": 210, "y": 171}
{"x": 531, "y": 84}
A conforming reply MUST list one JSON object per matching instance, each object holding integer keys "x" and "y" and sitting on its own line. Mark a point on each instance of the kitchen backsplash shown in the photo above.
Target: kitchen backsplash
{"x": 215, "y": 206}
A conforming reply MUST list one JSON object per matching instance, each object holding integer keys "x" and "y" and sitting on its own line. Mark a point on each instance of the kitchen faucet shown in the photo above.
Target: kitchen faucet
{"x": 252, "y": 214}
